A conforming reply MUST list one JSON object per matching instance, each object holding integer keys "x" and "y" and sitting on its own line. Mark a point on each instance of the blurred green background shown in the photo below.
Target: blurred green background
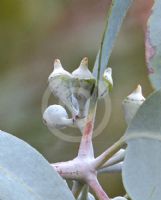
{"x": 32, "y": 35}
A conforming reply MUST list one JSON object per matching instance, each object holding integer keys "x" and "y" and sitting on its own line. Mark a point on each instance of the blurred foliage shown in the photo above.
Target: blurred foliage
{"x": 32, "y": 35}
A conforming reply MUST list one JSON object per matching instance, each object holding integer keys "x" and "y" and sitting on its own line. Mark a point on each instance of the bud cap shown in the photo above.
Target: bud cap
{"x": 136, "y": 95}
{"x": 82, "y": 72}
{"x": 58, "y": 70}
{"x": 132, "y": 103}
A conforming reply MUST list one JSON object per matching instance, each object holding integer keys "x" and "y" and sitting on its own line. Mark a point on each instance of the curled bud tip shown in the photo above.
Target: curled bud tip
{"x": 57, "y": 64}
{"x": 136, "y": 95}
{"x": 84, "y": 62}
{"x": 82, "y": 72}
{"x": 132, "y": 103}
{"x": 58, "y": 70}
{"x": 107, "y": 76}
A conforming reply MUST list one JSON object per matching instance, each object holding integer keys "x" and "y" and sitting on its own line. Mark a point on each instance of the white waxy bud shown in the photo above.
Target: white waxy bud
{"x": 60, "y": 83}
{"x": 82, "y": 72}
{"x": 132, "y": 103}
{"x": 55, "y": 116}
{"x": 58, "y": 70}
{"x": 83, "y": 85}
{"x": 119, "y": 198}
{"x": 106, "y": 85}
{"x": 107, "y": 77}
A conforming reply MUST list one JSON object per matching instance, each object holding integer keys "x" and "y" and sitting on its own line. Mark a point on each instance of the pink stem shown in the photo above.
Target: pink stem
{"x": 86, "y": 146}
{"x": 67, "y": 170}
{"x": 98, "y": 190}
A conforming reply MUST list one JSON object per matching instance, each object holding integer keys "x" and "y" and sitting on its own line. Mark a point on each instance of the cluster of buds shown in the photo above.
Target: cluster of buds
{"x": 74, "y": 91}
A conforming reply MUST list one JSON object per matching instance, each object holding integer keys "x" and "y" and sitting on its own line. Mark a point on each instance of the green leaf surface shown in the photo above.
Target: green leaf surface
{"x": 142, "y": 164}
{"x": 25, "y": 174}
{"x": 116, "y": 15}
{"x": 153, "y": 45}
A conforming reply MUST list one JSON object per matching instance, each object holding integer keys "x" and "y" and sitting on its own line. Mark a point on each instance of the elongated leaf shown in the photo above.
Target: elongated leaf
{"x": 153, "y": 45}
{"x": 26, "y": 175}
{"x": 116, "y": 15}
{"x": 142, "y": 164}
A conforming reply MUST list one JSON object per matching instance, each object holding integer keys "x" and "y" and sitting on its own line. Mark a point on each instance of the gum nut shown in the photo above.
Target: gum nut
{"x": 55, "y": 116}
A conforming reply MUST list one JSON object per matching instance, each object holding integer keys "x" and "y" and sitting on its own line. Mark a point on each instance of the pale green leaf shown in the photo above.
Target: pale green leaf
{"x": 25, "y": 174}
{"x": 142, "y": 164}
{"x": 116, "y": 15}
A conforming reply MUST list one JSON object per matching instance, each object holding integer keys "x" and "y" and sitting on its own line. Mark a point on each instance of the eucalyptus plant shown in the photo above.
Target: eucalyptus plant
{"x": 25, "y": 174}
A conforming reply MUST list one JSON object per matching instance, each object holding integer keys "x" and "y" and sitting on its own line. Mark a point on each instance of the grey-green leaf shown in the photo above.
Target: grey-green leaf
{"x": 153, "y": 45}
{"x": 25, "y": 174}
{"x": 142, "y": 164}
{"x": 116, "y": 15}
{"x": 141, "y": 171}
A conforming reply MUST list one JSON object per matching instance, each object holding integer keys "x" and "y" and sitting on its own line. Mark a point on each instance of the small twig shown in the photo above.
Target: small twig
{"x": 86, "y": 146}
{"x": 84, "y": 193}
{"x": 67, "y": 170}
{"x": 106, "y": 155}
{"x": 76, "y": 188}
{"x": 116, "y": 158}
{"x": 117, "y": 168}
{"x": 98, "y": 190}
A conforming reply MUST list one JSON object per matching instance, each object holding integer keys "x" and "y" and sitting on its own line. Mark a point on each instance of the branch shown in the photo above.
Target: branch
{"x": 111, "y": 169}
{"x": 76, "y": 188}
{"x": 98, "y": 190}
{"x": 118, "y": 157}
{"x": 67, "y": 169}
{"x": 86, "y": 146}
{"x": 106, "y": 155}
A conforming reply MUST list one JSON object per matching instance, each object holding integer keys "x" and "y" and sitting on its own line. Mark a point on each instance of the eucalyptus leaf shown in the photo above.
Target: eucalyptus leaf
{"x": 142, "y": 169}
{"x": 116, "y": 15}
{"x": 153, "y": 45}
{"x": 142, "y": 164}
{"x": 25, "y": 174}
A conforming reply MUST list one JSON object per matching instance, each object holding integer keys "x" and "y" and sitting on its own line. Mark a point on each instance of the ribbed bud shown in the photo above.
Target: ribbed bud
{"x": 83, "y": 84}
{"x": 132, "y": 103}
{"x": 60, "y": 83}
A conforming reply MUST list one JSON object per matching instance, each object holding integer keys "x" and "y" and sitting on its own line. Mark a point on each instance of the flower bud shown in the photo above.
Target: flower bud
{"x": 60, "y": 83}
{"x": 83, "y": 84}
{"x": 132, "y": 103}
{"x": 55, "y": 116}
{"x": 58, "y": 70}
{"x": 106, "y": 85}
{"x": 82, "y": 72}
